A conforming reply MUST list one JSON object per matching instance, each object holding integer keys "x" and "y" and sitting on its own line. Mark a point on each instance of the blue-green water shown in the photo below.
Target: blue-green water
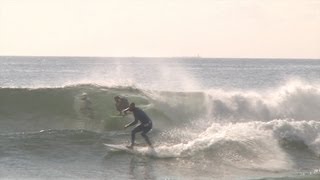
{"x": 213, "y": 118}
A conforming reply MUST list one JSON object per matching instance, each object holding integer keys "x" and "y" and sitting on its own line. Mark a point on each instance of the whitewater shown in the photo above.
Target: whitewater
{"x": 213, "y": 118}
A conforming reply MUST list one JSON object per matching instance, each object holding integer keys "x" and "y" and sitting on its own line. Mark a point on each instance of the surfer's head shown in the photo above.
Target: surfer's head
{"x": 132, "y": 106}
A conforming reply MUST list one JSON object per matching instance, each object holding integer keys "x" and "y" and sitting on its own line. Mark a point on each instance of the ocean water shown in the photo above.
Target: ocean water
{"x": 213, "y": 118}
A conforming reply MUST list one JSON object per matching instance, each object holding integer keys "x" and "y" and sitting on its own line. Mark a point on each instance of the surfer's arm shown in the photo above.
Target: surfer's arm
{"x": 125, "y": 110}
{"x": 132, "y": 123}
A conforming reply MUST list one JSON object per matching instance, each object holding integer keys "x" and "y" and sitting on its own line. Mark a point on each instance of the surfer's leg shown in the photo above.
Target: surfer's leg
{"x": 146, "y": 138}
{"x": 144, "y": 135}
{"x": 133, "y": 134}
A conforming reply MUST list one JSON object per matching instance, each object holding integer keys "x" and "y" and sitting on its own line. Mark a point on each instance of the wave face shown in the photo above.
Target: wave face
{"x": 58, "y": 108}
{"x": 25, "y": 109}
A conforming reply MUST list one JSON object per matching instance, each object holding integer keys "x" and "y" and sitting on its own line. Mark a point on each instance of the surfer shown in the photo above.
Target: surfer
{"x": 145, "y": 124}
{"x": 86, "y": 108}
{"x": 122, "y": 103}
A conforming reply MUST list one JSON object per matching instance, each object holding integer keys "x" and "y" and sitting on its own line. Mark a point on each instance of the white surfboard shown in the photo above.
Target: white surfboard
{"x": 136, "y": 149}
{"x": 120, "y": 147}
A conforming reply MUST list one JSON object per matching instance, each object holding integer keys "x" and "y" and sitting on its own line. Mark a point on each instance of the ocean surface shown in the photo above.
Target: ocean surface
{"x": 213, "y": 118}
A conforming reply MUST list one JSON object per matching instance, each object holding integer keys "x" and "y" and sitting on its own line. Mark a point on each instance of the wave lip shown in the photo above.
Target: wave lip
{"x": 295, "y": 100}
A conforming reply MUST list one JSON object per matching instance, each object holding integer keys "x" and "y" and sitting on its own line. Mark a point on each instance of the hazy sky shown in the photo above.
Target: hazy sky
{"x": 210, "y": 28}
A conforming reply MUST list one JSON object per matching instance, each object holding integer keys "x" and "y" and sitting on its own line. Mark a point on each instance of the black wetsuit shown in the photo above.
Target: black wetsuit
{"x": 145, "y": 125}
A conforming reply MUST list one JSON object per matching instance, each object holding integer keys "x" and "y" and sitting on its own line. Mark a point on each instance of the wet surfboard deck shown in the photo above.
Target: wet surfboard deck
{"x": 142, "y": 150}
{"x": 117, "y": 147}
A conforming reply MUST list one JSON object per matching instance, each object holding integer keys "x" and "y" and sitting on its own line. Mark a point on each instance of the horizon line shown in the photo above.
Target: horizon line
{"x": 164, "y": 57}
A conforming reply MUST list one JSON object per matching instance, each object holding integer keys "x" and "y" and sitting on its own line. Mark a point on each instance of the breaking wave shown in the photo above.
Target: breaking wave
{"x": 266, "y": 130}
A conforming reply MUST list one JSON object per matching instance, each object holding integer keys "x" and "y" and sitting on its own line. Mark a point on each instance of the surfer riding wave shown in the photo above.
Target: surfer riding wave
{"x": 145, "y": 124}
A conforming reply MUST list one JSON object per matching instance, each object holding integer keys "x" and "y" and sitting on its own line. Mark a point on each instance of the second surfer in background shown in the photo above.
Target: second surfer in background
{"x": 121, "y": 104}
{"x": 145, "y": 124}
{"x": 86, "y": 107}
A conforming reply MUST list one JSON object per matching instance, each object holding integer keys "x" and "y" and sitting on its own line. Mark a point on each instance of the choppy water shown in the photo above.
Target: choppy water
{"x": 213, "y": 118}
